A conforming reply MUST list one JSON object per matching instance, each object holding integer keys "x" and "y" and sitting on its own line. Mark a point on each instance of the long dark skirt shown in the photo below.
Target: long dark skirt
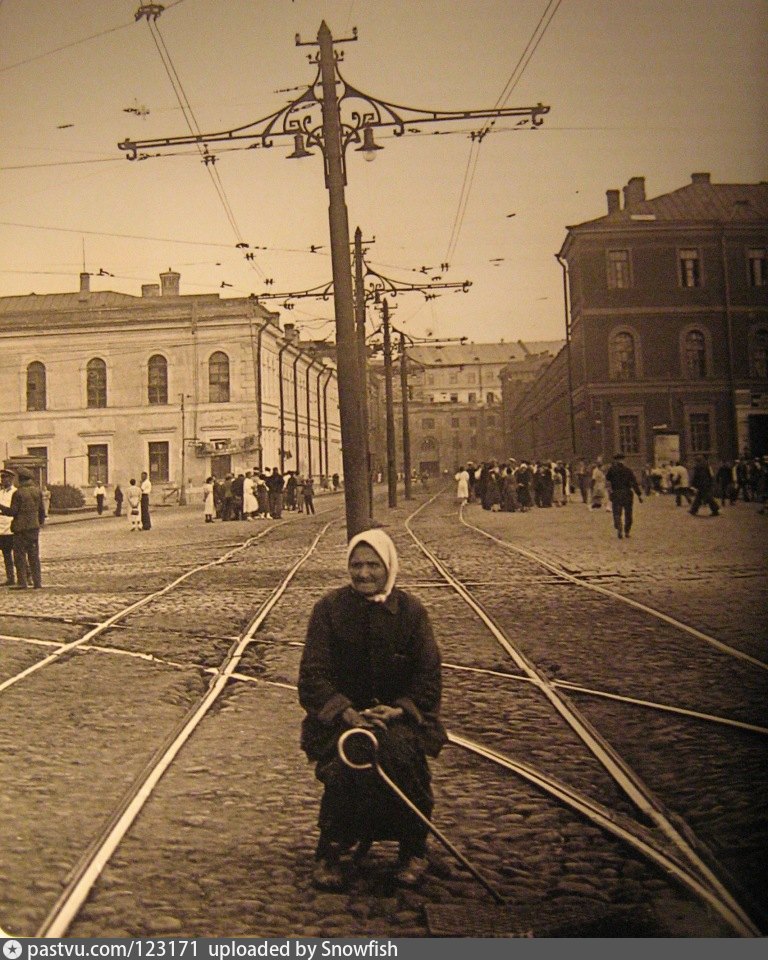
{"x": 357, "y": 805}
{"x": 146, "y": 523}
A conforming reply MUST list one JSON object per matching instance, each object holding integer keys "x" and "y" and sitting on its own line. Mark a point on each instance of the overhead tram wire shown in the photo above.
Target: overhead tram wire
{"x": 75, "y": 43}
{"x": 209, "y": 161}
{"x": 535, "y": 39}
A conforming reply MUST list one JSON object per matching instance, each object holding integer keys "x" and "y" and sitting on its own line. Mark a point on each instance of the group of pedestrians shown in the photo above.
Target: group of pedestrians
{"x": 136, "y": 498}
{"x": 513, "y": 486}
{"x": 22, "y": 513}
{"x": 517, "y": 486}
{"x": 254, "y": 495}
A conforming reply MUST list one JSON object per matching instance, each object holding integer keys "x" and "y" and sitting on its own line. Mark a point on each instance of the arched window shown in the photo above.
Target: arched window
{"x": 157, "y": 379}
{"x": 36, "y": 386}
{"x": 623, "y": 360}
{"x": 218, "y": 378}
{"x": 695, "y": 355}
{"x": 96, "y": 382}
{"x": 758, "y": 354}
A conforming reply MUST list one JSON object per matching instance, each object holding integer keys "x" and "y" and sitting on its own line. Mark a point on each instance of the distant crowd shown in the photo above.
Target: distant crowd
{"x": 254, "y": 495}
{"x": 517, "y": 486}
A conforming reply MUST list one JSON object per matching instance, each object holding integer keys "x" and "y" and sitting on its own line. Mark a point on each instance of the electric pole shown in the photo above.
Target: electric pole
{"x": 316, "y": 119}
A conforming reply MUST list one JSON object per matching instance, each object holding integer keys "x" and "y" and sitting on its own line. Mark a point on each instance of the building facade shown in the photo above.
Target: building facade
{"x": 106, "y": 385}
{"x": 455, "y": 409}
{"x": 666, "y": 354}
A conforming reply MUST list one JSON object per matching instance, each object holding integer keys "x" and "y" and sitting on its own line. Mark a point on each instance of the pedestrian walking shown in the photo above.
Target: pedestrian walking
{"x": 462, "y": 485}
{"x": 99, "y": 492}
{"x": 28, "y": 515}
{"x": 309, "y": 495}
{"x": 209, "y": 508}
{"x": 680, "y": 483}
{"x": 250, "y": 503}
{"x": 7, "y": 490}
{"x": 146, "y": 489}
{"x": 703, "y": 482}
{"x": 598, "y": 488}
{"x": 623, "y": 486}
{"x": 118, "y": 501}
{"x": 133, "y": 496}
{"x": 371, "y": 660}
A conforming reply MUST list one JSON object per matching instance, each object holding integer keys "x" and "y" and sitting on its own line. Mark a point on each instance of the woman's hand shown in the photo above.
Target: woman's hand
{"x": 383, "y": 713}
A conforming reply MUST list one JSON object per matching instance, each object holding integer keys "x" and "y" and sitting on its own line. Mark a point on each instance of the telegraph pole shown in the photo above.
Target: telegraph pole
{"x": 298, "y": 121}
{"x": 362, "y": 359}
{"x": 406, "y": 422}
{"x": 183, "y": 487}
{"x": 389, "y": 399}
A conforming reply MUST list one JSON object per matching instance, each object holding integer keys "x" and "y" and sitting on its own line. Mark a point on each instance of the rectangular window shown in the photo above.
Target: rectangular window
{"x": 700, "y": 433}
{"x": 690, "y": 268}
{"x": 471, "y": 376}
{"x": 454, "y": 398}
{"x": 158, "y": 461}
{"x": 456, "y": 441}
{"x": 455, "y": 422}
{"x": 453, "y": 377}
{"x": 98, "y": 463}
{"x": 473, "y": 421}
{"x": 42, "y": 453}
{"x": 428, "y": 423}
{"x": 472, "y": 398}
{"x": 618, "y": 269}
{"x": 758, "y": 275}
{"x": 430, "y": 379}
{"x": 629, "y": 434}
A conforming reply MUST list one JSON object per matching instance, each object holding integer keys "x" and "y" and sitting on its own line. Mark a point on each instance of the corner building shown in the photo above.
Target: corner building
{"x": 105, "y": 385}
{"x": 666, "y": 351}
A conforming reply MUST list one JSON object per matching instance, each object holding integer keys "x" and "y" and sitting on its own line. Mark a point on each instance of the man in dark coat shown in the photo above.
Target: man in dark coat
{"x": 371, "y": 660}
{"x": 622, "y": 485}
{"x": 28, "y": 516}
{"x": 275, "y": 483}
{"x": 703, "y": 482}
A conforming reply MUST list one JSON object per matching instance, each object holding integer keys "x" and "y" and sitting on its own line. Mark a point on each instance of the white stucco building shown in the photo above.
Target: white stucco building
{"x": 105, "y": 385}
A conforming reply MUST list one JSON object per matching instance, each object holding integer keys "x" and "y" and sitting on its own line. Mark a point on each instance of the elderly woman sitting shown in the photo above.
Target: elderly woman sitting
{"x": 371, "y": 660}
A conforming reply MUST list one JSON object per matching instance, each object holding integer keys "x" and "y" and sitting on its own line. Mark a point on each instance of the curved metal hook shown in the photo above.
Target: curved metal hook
{"x": 350, "y": 733}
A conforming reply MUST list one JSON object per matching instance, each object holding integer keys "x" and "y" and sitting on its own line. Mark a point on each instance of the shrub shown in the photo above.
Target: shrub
{"x": 65, "y": 497}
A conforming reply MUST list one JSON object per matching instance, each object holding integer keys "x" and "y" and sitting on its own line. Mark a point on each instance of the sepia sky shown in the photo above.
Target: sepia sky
{"x": 653, "y": 88}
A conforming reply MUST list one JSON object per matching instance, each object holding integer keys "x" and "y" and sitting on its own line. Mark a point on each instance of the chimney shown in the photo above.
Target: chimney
{"x": 150, "y": 289}
{"x": 85, "y": 283}
{"x": 169, "y": 282}
{"x": 699, "y": 178}
{"x": 614, "y": 201}
{"x": 290, "y": 332}
{"x": 634, "y": 192}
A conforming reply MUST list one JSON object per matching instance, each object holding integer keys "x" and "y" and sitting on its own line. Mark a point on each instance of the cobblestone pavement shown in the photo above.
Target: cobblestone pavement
{"x": 224, "y": 845}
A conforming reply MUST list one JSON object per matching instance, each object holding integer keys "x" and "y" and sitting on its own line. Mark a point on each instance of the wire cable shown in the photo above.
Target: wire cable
{"x": 194, "y": 128}
{"x": 531, "y": 46}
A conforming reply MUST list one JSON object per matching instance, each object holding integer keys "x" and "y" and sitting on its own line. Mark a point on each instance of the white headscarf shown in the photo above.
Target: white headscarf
{"x": 380, "y": 542}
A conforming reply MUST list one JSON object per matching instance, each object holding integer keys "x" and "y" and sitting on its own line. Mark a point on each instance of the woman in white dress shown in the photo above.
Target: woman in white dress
{"x": 250, "y": 503}
{"x": 462, "y": 485}
{"x": 209, "y": 508}
{"x": 599, "y": 489}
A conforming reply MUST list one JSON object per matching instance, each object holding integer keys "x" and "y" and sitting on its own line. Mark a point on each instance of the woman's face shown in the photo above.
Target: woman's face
{"x": 367, "y": 571}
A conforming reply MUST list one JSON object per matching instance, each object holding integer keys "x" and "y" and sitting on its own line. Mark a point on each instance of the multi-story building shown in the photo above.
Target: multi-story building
{"x": 104, "y": 385}
{"x": 667, "y": 342}
{"x": 455, "y": 405}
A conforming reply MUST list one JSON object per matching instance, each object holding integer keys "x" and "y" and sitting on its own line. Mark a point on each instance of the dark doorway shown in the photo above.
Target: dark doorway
{"x": 221, "y": 465}
{"x": 758, "y": 434}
